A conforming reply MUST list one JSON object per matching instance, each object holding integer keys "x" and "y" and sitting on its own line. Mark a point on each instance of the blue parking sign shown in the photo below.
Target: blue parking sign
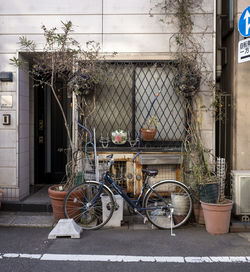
{"x": 244, "y": 23}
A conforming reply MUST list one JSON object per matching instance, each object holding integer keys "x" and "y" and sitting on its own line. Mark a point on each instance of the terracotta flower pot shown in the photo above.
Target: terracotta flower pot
{"x": 57, "y": 199}
{"x": 198, "y": 214}
{"x": 74, "y": 204}
{"x": 217, "y": 217}
{"x": 148, "y": 134}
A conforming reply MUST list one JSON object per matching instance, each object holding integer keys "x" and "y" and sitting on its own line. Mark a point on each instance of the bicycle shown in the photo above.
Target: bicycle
{"x": 84, "y": 202}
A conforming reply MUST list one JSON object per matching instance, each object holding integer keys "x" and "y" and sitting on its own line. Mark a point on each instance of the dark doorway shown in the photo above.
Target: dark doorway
{"x": 50, "y": 135}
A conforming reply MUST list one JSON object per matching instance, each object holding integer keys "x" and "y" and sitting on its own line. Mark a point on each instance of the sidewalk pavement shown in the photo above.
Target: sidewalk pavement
{"x": 46, "y": 219}
{"x": 26, "y": 219}
{"x": 36, "y": 211}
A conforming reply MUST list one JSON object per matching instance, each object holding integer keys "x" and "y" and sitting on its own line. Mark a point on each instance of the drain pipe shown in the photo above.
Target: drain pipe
{"x": 218, "y": 43}
{"x": 214, "y": 66}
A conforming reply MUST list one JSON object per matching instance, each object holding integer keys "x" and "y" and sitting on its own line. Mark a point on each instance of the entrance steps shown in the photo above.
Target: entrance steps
{"x": 37, "y": 201}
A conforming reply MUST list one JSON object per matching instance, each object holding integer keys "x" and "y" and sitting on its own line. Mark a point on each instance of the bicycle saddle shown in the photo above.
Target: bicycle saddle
{"x": 150, "y": 172}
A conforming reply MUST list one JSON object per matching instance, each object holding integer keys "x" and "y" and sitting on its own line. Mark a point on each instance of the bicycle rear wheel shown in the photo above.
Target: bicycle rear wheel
{"x": 90, "y": 204}
{"x": 164, "y": 196}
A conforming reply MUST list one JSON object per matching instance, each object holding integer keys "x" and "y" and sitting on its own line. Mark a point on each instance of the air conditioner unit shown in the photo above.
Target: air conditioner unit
{"x": 241, "y": 193}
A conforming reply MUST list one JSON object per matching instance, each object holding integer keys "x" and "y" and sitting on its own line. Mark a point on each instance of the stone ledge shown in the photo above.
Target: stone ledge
{"x": 238, "y": 226}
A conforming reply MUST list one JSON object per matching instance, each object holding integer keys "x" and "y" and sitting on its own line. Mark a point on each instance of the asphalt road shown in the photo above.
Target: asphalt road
{"x": 190, "y": 249}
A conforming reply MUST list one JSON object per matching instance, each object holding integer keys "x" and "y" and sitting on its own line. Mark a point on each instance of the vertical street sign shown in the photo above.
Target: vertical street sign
{"x": 244, "y": 23}
{"x": 244, "y": 50}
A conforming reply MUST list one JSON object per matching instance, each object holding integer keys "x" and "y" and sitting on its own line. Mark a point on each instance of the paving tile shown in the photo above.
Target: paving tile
{"x": 245, "y": 236}
{"x": 6, "y": 220}
{"x": 33, "y": 221}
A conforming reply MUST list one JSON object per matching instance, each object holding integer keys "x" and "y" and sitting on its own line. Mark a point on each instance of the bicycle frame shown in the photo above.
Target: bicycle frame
{"x": 135, "y": 205}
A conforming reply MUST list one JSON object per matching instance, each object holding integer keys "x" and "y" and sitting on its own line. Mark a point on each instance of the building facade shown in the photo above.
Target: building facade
{"x": 124, "y": 27}
{"x": 234, "y": 82}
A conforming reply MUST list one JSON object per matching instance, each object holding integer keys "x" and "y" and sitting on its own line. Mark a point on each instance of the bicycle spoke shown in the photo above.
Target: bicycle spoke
{"x": 84, "y": 204}
{"x": 164, "y": 207}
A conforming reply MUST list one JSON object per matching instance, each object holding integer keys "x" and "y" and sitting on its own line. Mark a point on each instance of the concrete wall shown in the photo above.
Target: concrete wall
{"x": 121, "y": 26}
{"x": 8, "y": 134}
{"x": 242, "y": 120}
{"x": 118, "y": 25}
{"x": 241, "y": 95}
{"x": 236, "y": 80}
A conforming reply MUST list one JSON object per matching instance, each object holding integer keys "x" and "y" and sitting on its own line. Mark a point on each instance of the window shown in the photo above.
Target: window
{"x": 124, "y": 104}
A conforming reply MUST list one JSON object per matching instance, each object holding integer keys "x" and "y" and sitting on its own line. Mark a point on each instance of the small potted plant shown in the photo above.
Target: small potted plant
{"x": 148, "y": 132}
{"x": 81, "y": 84}
{"x": 187, "y": 78}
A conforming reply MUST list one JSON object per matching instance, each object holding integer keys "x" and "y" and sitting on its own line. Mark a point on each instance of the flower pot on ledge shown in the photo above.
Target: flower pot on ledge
{"x": 148, "y": 134}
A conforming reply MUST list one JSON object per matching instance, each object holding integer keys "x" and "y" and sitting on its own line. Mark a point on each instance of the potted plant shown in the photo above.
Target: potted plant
{"x": 198, "y": 166}
{"x": 61, "y": 57}
{"x": 200, "y": 172}
{"x": 81, "y": 84}
{"x": 187, "y": 77}
{"x": 148, "y": 132}
{"x": 205, "y": 187}
{"x": 217, "y": 215}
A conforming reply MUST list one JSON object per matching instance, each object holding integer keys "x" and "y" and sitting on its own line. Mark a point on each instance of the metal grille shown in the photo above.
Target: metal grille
{"x": 125, "y": 99}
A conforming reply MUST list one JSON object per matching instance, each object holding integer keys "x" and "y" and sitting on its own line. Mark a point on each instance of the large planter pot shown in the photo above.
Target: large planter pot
{"x": 209, "y": 192}
{"x": 148, "y": 134}
{"x": 217, "y": 217}
{"x": 57, "y": 199}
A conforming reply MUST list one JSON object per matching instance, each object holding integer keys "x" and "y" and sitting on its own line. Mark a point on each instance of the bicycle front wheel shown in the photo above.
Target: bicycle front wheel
{"x": 90, "y": 204}
{"x": 164, "y": 197}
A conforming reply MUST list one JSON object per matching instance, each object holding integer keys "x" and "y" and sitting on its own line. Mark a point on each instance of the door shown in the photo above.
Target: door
{"x": 50, "y": 135}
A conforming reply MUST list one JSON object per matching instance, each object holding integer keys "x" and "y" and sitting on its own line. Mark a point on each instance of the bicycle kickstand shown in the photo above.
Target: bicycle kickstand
{"x": 171, "y": 221}
{"x": 145, "y": 219}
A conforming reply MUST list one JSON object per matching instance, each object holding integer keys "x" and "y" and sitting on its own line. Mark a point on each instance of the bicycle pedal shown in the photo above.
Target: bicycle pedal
{"x": 145, "y": 220}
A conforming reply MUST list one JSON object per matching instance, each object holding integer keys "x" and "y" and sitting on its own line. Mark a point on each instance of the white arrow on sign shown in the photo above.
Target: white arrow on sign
{"x": 246, "y": 17}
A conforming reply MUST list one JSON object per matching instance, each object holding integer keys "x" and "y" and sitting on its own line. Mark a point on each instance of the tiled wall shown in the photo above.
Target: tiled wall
{"x": 8, "y": 136}
{"x": 23, "y": 134}
{"x": 118, "y": 25}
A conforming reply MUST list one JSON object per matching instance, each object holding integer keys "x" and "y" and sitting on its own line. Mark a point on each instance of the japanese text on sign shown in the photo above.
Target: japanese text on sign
{"x": 244, "y": 50}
